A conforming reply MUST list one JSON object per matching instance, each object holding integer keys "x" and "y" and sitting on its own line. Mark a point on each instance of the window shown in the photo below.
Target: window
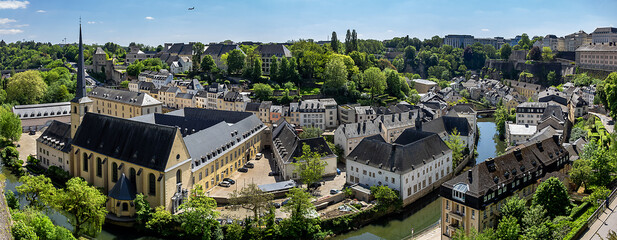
{"x": 473, "y": 214}
{"x": 114, "y": 172}
{"x": 133, "y": 176}
{"x": 125, "y": 207}
{"x": 178, "y": 176}
{"x": 151, "y": 184}
{"x": 99, "y": 167}
{"x": 85, "y": 162}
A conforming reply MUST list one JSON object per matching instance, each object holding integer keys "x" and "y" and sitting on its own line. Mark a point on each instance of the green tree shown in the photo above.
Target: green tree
{"x": 274, "y": 69}
{"x": 135, "y": 68}
{"x": 262, "y": 91}
{"x": 375, "y": 81}
{"x": 20, "y": 230}
{"x": 393, "y": 81}
{"x": 143, "y": 212}
{"x": 505, "y": 51}
{"x": 234, "y": 231}
{"x": 207, "y": 64}
{"x": 160, "y": 221}
{"x": 348, "y": 43}
{"x": 234, "y": 60}
{"x": 84, "y": 206}
{"x": 487, "y": 234}
{"x": 525, "y": 42}
{"x": 124, "y": 84}
{"x": 198, "y": 50}
{"x": 198, "y": 218}
{"x": 502, "y": 115}
{"x": 299, "y": 204}
{"x": 310, "y": 132}
{"x": 334, "y": 43}
{"x": 10, "y": 158}
{"x": 310, "y": 167}
{"x": 251, "y": 198}
{"x": 455, "y": 143}
{"x": 547, "y": 54}
{"x": 534, "y": 54}
{"x": 581, "y": 172}
{"x": 256, "y": 73}
{"x": 300, "y": 225}
{"x": 335, "y": 74}
{"x": 607, "y": 92}
{"x": 552, "y": 196}
{"x": 385, "y": 196}
{"x": 508, "y": 229}
{"x": 514, "y": 207}
{"x": 26, "y": 87}
{"x": 10, "y": 125}
{"x": 11, "y": 200}
{"x": 37, "y": 190}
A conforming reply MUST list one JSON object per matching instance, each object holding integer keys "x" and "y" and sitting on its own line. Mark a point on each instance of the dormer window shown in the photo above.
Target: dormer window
{"x": 459, "y": 190}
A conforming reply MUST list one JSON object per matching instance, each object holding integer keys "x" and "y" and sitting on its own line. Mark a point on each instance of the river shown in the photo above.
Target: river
{"x": 429, "y": 212}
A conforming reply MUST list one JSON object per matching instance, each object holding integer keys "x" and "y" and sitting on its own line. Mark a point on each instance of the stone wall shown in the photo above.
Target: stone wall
{"x": 5, "y": 215}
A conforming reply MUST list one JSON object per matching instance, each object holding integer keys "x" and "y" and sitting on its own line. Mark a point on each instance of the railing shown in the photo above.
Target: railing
{"x": 596, "y": 214}
{"x": 423, "y": 231}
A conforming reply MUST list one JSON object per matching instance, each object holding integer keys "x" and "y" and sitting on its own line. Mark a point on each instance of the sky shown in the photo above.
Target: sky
{"x": 154, "y": 22}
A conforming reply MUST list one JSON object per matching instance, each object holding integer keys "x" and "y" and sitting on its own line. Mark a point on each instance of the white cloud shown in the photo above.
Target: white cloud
{"x": 91, "y": 22}
{"x": 149, "y": 18}
{"x": 485, "y": 30}
{"x": 41, "y": 11}
{"x": 10, "y": 31}
{"x": 6, "y": 20}
{"x": 12, "y": 4}
{"x": 390, "y": 31}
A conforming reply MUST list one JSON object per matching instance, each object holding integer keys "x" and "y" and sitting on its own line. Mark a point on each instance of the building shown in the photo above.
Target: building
{"x": 519, "y": 133}
{"x": 527, "y": 90}
{"x": 99, "y": 60}
{"x": 184, "y": 100}
{"x": 216, "y": 51}
{"x": 287, "y": 149}
{"x": 181, "y": 65}
{"x": 424, "y": 86}
{"x": 276, "y": 113}
{"x": 413, "y": 164}
{"x": 292, "y": 114}
{"x": 352, "y": 113}
{"x": 553, "y": 94}
{"x": 319, "y": 113}
{"x": 604, "y": 35}
{"x": 123, "y": 104}
{"x": 458, "y": 41}
{"x": 36, "y": 116}
{"x": 530, "y": 112}
{"x": 473, "y": 199}
{"x": 163, "y": 156}
{"x": 348, "y": 136}
{"x": 232, "y": 101}
{"x": 578, "y": 107}
{"x": 53, "y": 146}
{"x": 575, "y": 40}
{"x": 271, "y": 50}
{"x": 393, "y": 125}
{"x": 598, "y": 56}
{"x": 159, "y": 78}
{"x": 445, "y": 126}
{"x": 264, "y": 111}
{"x": 135, "y": 54}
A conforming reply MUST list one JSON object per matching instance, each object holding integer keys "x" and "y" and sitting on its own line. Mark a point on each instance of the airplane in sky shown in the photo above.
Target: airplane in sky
{"x": 192, "y": 8}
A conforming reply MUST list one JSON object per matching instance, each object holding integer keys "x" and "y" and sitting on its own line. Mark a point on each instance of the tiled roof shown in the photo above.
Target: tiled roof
{"x": 126, "y": 97}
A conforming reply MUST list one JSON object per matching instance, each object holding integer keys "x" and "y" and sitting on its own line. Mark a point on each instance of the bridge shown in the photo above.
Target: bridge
{"x": 486, "y": 112}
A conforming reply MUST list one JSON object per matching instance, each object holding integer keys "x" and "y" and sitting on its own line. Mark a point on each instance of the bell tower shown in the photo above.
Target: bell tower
{"x": 81, "y": 103}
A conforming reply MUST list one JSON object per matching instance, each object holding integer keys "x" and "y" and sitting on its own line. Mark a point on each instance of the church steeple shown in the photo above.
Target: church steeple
{"x": 80, "y": 92}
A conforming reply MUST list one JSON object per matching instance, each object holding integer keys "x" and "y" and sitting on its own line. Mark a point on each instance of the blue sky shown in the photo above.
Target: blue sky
{"x": 154, "y": 22}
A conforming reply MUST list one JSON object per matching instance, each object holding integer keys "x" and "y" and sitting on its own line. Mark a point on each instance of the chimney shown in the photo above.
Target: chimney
{"x": 469, "y": 176}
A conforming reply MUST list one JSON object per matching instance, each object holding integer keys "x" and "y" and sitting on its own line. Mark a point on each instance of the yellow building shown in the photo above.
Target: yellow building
{"x": 473, "y": 199}
{"x": 162, "y": 155}
{"x": 232, "y": 101}
{"x": 527, "y": 90}
{"x": 123, "y": 104}
{"x": 53, "y": 146}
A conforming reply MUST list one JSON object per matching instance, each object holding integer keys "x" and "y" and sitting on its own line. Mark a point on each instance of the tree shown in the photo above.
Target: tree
{"x": 135, "y": 68}
{"x": 581, "y": 172}
{"x": 502, "y": 115}
{"x": 262, "y": 91}
{"x": 26, "y": 87}
{"x": 11, "y": 200}
{"x": 257, "y": 72}
{"x": 198, "y": 218}
{"x": 348, "y": 43}
{"x": 198, "y": 50}
{"x": 354, "y": 40}
{"x": 309, "y": 166}
{"x": 608, "y": 94}
{"x": 552, "y": 196}
{"x": 525, "y": 43}
{"x": 335, "y": 74}
{"x": 505, "y": 51}
{"x": 38, "y": 190}
{"x": 487, "y": 234}
{"x": 234, "y": 60}
{"x": 124, "y": 84}
{"x": 41, "y": 225}
{"x": 375, "y": 81}
{"x": 207, "y": 64}
{"x": 310, "y": 132}
{"x": 21, "y": 230}
{"x": 10, "y": 124}
{"x": 547, "y": 54}
{"x": 274, "y": 70}
{"x": 252, "y": 198}
{"x": 385, "y": 196}
{"x": 143, "y": 212}
{"x": 508, "y": 229}
{"x": 301, "y": 224}
{"x": 10, "y": 158}
{"x": 535, "y": 54}
{"x": 334, "y": 43}
{"x": 299, "y": 204}
{"x": 84, "y": 206}
{"x": 160, "y": 221}
{"x": 393, "y": 82}
{"x": 455, "y": 143}
{"x": 577, "y": 133}
{"x": 514, "y": 207}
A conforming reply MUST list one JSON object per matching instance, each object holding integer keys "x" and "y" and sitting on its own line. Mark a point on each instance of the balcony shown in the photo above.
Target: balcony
{"x": 457, "y": 214}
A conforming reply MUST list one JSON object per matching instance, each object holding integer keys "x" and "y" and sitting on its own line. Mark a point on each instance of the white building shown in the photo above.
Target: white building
{"x": 414, "y": 164}
{"x": 519, "y": 133}
{"x": 348, "y": 136}
{"x": 319, "y": 113}
{"x": 183, "y": 64}
{"x": 445, "y": 126}
{"x": 53, "y": 146}
{"x": 160, "y": 78}
{"x": 530, "y": 112}
{"x": 604, "y": 35}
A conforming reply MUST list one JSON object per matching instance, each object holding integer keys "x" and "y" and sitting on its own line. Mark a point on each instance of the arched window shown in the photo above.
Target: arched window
{"x": 133, "y": 177}
{"x": 178, "y": 176}
{"x": 74, "y": 109}
{"x": 151, "y": 184}
{"x": 114, "y": 172}
{"x": 85, "y": 160}
{"x": 99, "y": 167}
{"x": 125, "y": 207}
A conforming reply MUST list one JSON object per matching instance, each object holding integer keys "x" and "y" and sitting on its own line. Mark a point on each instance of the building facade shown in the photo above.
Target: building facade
{"x": 598, "y": 56}
{"x": 123, "y": 104}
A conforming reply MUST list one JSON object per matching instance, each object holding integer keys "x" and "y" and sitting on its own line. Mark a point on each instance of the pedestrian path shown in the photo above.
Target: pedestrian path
{"x": 604, "y": 224}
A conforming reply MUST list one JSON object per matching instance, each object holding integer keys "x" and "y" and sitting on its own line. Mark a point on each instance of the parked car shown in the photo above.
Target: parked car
{"x": 243, "y": 169}
{"x": 273, "y": 174}
{"x": 249, "y": 165}
{"x": 229, "y": 180}
{"x": 224, "y": 184}
{"x": 275, "y": 205}
{"x": 32, "y": 132}
{"x": 338, "y": 171}
{"x": 315, "y": 185}
{"x": 258, "y": 156}
{"x": 285, "y": 202}
{"x": 334, "y": 191}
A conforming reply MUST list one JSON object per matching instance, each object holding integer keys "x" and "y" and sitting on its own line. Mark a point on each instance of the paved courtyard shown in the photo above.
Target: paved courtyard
{"x": 257, "y": 175}
{"x": 27, "y": 145}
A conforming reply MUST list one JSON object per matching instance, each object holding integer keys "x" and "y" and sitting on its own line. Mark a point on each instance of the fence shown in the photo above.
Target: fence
{"x": 596, "y": 214}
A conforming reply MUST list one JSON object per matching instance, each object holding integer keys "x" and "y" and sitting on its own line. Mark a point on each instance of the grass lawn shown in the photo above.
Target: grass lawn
{"x": 309, "y": 91}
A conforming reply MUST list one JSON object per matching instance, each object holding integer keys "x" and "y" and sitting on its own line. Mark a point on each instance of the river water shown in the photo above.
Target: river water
{"x": 429, "y": 212}
{"x": 421, "y": 215}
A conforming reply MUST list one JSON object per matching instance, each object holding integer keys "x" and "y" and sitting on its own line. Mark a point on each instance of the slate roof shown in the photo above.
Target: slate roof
{"x": 270, "y": 50}
{"x": 57, "y": 135}
{"x": 597, "y": 48}
{"x": 289, "y": 145}
{"x": 554, "y": 111}
{"x": 184, "y": 95}
{"x": 463, "y": 108}
{"x": 217, "y": 50}
{"x": 412, "y": 149}
{"x": 552, "y": 94}
{"x": 42, "y": 110}
{"x": 123, "y": 189}
{"x": 366, "y": 128}
{"x": 126, "y": 97}
{"x": 252, "y": 107}
{"x": 99, "y": 50}
{"x": 144, "y": 144}
{"x": 448, "y": 124}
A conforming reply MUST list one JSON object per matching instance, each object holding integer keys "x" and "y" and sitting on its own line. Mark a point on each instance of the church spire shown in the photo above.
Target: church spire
{"x": 80, "y": 92}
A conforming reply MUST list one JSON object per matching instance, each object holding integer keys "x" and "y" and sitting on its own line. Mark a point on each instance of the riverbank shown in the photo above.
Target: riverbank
{"x": 5, "y": 215}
